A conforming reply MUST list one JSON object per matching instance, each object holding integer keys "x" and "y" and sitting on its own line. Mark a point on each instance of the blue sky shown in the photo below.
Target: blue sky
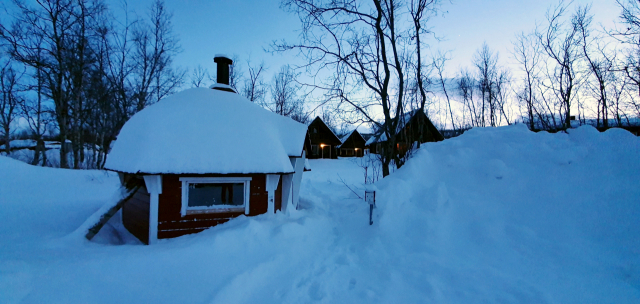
{"x": 246, "y": 27}
{"x": 243, "y": 28}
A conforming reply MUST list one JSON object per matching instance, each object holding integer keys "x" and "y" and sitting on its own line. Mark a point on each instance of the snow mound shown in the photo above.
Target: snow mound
{"x": 206, "y": 131}
{"x": 508, "y": 215}
{"x": 499, "y": 215}
{"x": 39, "y": 203}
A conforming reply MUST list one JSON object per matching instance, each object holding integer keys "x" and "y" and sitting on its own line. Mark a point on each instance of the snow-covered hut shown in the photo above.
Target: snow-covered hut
{"x": 353, "y": 144}
{"x": 203, "y": 156}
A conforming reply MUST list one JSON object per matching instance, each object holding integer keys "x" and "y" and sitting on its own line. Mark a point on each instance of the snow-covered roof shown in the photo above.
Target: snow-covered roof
{"x": 344, "y": 138}
{"x": 379, "y": 137}
{"x": 206, "y": 131}
{"x": 325, "y": 124}
{"x": 374, "y": 139}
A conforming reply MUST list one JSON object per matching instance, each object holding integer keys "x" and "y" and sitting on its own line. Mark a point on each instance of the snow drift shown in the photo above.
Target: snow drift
{"x": 508, "y": 215}
{"x": 494, "y": 216}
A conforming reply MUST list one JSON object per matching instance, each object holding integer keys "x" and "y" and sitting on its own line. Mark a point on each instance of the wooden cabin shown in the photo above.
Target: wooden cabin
{"x": 323, "y": 141}
{"x": 203, "y": 156}
{"x": 408, "y": 133}
{"x": 353, "y": 145}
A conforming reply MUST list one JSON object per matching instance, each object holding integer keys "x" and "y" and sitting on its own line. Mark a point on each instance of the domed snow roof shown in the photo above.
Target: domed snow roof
{"x": 206, "y": 131}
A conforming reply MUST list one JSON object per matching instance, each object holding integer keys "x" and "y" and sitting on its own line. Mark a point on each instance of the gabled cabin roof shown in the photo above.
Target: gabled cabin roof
{"x": 344, "y": 138}
{"x": 404, "y": 120}
{"x": 324, "y": 131}
{"x": 352, "y": 140}
{"x": 206, "y": 131}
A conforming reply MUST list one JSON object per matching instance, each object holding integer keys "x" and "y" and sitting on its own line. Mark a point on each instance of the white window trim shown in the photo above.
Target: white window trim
{"x": 213, "y": 180}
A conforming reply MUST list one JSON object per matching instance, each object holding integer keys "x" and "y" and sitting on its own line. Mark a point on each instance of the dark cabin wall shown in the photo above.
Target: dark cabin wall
{"x": 411, "y": 133}
{"x": 171, "y": 223}
{"x": 135, "y": 212}
{"x": 319, "y": 134}
{"x": 355, "y": 141}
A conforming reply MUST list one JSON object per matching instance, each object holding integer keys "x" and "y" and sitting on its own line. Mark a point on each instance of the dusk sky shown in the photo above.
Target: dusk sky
{"x": 246, "y": 27}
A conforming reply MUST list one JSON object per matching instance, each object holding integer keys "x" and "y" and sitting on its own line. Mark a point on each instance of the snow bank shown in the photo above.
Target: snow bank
{"x": 508, "y": 215}
{"x": 38, "y": 203}
{"x": 206, "y": 131}
{"x": 493, "y": 216}
{"x": 30, "y": 143}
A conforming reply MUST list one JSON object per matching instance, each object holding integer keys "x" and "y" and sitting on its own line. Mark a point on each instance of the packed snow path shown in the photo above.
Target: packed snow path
{"x": 497, "y": 215}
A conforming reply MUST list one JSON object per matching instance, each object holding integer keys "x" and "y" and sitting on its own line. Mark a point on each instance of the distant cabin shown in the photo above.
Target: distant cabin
{"x": 203, "y": 156}
{"x": 353, "y": 145}
{"x": 408, "y": 133}
{"x": 324, "y": 142}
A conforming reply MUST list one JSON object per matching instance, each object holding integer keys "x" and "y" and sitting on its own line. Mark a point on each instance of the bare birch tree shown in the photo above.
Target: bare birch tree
{"x": 527, "y": 53}
{"x": 154, "y": 46}
{"x": 285, "y": 96}
{"x": 630, "y": 37}
{"x": 560, "y": 44}
{"x": 54, "y": 22}
{"x": 9, "y": 101}
{"x": 600, "y": 68}
{"x": 254, "y": 88}
{"x": 198, "y": 76}
{"x": 360, "y": 45}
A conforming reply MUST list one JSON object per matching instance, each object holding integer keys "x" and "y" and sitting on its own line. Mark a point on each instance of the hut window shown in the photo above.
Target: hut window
{"x": 214, "y": 194}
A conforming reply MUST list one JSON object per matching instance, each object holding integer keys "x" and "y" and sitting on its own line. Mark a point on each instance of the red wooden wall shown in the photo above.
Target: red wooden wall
{"x": 135, "y": 213}
{"x": 172, "y": 224}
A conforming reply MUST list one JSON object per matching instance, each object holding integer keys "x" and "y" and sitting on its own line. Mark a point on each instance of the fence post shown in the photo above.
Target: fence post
{"x": 370, "y": 197}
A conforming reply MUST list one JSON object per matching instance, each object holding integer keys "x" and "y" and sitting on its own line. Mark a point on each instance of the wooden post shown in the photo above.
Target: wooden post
{"x": 297, "y": 179}
{"x": 287, "y": 181}
{"x": 370, "y": 197}
{"x": 272, "y": 185}
{"x": 154, "y": 187}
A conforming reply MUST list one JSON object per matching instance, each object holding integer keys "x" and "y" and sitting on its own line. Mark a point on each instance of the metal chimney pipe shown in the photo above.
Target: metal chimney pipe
{"x": 223, "y": 68}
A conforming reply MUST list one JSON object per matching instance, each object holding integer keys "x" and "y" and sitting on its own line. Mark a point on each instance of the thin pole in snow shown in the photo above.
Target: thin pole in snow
{"x": 370, "y": 197}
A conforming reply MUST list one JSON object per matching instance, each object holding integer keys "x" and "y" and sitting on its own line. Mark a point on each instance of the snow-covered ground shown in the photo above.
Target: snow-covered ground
{"x": 30, "y": 143}
{"x": 495, "y": 215}
{"x": 24, "y": 150}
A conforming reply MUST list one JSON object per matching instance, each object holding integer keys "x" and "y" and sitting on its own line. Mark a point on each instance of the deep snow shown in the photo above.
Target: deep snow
{"x": 496, "y": 215}
{"x": 201, "y": 130}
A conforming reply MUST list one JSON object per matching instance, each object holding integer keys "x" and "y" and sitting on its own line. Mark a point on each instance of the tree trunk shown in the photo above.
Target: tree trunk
{"x": 7, "y": 139}
{"x": 62, "y": 123}
{"x": 385, "y": 167}
{"x": 44, "y": 155}
{"x": 39, "y": 150}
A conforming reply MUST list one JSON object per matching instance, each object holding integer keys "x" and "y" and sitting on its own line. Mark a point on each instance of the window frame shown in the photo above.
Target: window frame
{"x": 185, "y": 210}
